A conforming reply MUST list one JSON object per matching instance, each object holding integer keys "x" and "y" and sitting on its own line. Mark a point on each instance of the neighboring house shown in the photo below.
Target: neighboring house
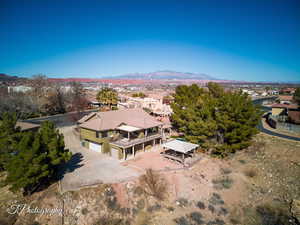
{"x": 290, "y": 91}
{"x": 127, "y": 131}
{"x": 279, "y": 109}
{"x": 285, "y": 99}
{"x": 27, "y": 126}
{"x": 156, "y": 106}
{"x": 294, "y": 117}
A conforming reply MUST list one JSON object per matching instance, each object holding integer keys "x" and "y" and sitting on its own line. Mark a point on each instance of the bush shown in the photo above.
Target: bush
{"x": 182, "y": 221}
{"x": 153, "y": 208}
{"x": 153, "y": 184}
{"x": 182, "y": 202}
{"x": 223, "y": 212}
{"x": 270, "y": 215}
{"x": 200, "y": 205}
{"x": 171, "y": 209}
{"x": 216, "y": 222}
{"x": 216, "y": 199}
{"x": 84, "y": 211}
{"x": 143, "y": 218}
{"x": 141, "y": 204}
{"x": 211, "y": 208}
{"x": 225, "y": 171}
{"x": 222, "y": 183}
{"x": 197, "y": 217}
{"x": 242, "y": 161}
{"x": 250, "y": 172}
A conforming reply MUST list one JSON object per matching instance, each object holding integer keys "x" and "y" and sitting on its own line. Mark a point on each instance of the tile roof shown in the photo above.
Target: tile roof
{"x": 295, "y": 116}
{"x": 284, "y": 106}
{"x": 286, "y": 97}
{"x": 110, "y": 120}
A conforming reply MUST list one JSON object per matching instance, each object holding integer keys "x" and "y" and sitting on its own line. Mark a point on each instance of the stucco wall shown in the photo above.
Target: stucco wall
{"x": 90, "y": 135}
{"x": 276, "y": 111}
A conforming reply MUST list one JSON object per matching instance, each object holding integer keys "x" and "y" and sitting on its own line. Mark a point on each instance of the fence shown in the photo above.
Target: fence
{"x": 274, "y": 123}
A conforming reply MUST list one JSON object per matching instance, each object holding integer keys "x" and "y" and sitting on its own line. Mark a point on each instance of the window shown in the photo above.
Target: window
{"x": 104, "y": 134}
{"x": 97, "y": 134}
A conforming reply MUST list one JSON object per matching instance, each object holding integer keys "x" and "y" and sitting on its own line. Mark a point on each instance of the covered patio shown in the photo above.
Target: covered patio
{"x": 179, "y": 150}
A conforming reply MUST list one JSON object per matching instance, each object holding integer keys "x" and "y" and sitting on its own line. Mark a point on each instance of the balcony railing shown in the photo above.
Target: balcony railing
{"x": 125, "y": 143}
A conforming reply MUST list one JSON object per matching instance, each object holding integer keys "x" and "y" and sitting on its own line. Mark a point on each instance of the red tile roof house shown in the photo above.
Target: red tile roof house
{"x": 127, "y": 131}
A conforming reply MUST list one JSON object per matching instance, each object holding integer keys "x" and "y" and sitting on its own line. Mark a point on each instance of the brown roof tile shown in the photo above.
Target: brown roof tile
{"x": 110, "y": 120}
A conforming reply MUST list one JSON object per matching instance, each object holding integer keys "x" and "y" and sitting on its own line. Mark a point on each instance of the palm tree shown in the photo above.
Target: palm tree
{"x": 107, "y": 96}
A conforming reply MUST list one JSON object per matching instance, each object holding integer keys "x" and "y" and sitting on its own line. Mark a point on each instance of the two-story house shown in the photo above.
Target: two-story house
{"x": 127, "y": 131}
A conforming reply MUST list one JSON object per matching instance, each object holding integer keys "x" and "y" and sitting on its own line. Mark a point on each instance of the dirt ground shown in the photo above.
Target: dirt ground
{"x": 252, "y": 187}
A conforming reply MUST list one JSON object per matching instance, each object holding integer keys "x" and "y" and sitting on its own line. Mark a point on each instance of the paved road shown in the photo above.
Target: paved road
{"x": 266, "y": 131}
{"x": 90, "y": 168}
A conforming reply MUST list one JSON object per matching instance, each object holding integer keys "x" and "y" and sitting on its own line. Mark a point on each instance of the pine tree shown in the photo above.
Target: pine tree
{"x": 221, "y": 122}
{"x": 36, "y": 160}
{"x": 9, "y": 136}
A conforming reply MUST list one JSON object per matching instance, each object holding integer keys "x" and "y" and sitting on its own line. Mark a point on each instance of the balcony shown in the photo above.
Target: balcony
{"x": 126, "y": 143}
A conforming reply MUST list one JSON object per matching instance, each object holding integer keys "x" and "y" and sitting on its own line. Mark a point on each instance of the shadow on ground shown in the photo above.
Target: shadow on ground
{"x": 71, "y": 165}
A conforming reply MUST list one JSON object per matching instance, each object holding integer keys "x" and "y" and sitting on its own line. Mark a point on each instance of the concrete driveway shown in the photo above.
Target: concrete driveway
{"x": 88, "y": 168}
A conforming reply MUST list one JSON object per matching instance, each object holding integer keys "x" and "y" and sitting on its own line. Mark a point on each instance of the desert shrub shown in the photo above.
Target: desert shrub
{"x": 124, "y": 211}
{"x": 171, "y": 209}
{"x": 242, "y": 161}
{"x": 225, "y": 171}
{"x": 143, "y": 218}
{"x": 134, "y": 211}
{"x": 211, "y": 208}
{"x": 141, "y": 204}
{"x": 270, "y": 215}
{"x": 216, "y": 222}
{"x": 138, "y": 191}
{"x": 234, "y": 221}
{"x": 84, "y": 211}
{"x": 111, "y": 221}
{"x": 153, "y": 184}
{"x": 182, "y": 221}
{"x": 222, "y": 183}
{"x": 216, "y": 199}
{"x": 200, "y": 205}
{"x": 112, "y": 203}
{"x": 153, "y": 208}
{"x": 182, "y": 202}
{"x": 197, "y": 218}
{"x": 250, "y": 172}
{"x": 223, "y": 212}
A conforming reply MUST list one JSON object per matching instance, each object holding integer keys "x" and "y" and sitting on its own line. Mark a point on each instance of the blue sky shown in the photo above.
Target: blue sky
{"x": 255, "y": 40}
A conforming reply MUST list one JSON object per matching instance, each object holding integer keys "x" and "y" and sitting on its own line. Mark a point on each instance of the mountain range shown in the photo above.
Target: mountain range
{"x": 164, "y": 75}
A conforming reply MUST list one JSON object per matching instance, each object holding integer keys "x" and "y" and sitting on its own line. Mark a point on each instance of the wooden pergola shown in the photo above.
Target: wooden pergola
{"x": 179, "y": 150}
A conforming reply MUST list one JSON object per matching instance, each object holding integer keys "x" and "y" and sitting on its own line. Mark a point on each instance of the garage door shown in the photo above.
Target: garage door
{"x": 115, "y": 153}
{"x": 95, "y": 147}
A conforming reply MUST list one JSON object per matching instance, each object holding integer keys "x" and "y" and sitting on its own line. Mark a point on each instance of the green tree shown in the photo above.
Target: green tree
{"x": 107, "y": 96}
{"x": 9, "y": 136}
{"x": 36, "y": 160}
{"x": 296, "y": 96}
{"x": 221, "y": 122}
{"x": 139, "y": 95}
